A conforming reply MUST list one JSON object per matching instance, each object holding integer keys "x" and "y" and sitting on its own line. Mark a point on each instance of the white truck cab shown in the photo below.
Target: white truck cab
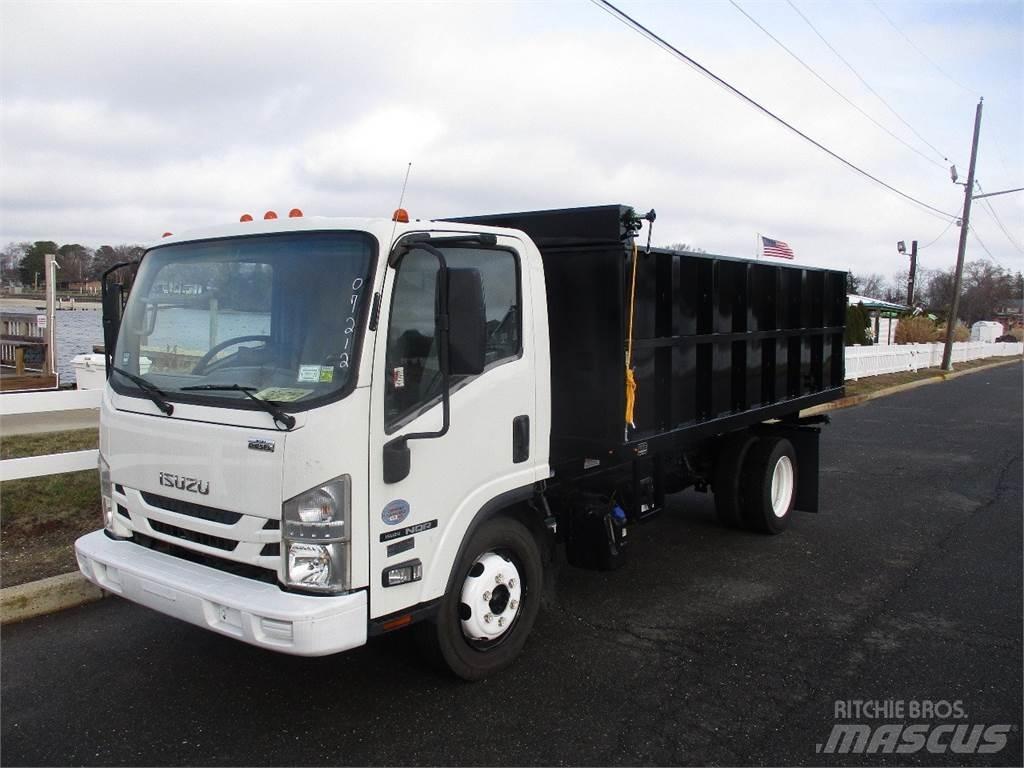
{"x": 259, "y": 372}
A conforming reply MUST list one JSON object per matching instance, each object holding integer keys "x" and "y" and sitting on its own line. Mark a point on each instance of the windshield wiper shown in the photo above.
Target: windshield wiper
{"x": 153, "y": 392}
{"x": 280, "y": 417}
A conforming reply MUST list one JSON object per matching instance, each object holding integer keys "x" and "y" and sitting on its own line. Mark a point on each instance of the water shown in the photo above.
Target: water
{"x": 78, "y": 330}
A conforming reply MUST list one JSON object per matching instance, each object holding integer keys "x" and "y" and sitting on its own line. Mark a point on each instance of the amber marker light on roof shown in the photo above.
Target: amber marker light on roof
{"x": 294, "y": 213}
{"x": 401, "y": 216}
{"x": 167, "y": 234}
{"x": 269, "y": 215}
{"x": 245, "y": 217}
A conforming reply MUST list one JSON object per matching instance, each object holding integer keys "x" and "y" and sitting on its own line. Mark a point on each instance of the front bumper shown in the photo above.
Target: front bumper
{"x": 251, "y": 611}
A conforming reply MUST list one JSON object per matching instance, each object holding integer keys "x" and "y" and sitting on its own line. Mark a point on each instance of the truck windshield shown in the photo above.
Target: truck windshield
{"x": 277, "y": 316}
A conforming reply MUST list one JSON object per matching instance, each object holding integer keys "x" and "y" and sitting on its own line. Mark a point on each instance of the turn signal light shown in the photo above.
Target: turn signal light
{"x": 401, "y": 216}
{"x": 245, "y": 217}
{"x": 269, "y": 215}
{"x": 294, "y": 213}
{"x": 401, "y": 621}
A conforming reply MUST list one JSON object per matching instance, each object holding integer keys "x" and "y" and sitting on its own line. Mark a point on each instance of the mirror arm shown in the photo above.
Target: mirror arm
{"x": 396, "y": 452}
{"x": 108, "y": 354}
{"x": 442, "y": 327}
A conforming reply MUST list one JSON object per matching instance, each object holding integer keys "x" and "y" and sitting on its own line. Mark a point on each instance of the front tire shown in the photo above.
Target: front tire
{"x": 491, "y": 604}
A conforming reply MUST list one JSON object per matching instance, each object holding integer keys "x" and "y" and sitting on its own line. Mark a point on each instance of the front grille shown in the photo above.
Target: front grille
{"x": 271, "y": 550}
{"x": 123, "y": 511}
{"x": 192, "y": 510}
{"x": 194, "y": 536}
{"x": 227, "y": 566}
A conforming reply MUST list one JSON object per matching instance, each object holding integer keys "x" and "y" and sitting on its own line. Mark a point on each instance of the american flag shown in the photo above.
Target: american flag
{"x": 775, "y": 248}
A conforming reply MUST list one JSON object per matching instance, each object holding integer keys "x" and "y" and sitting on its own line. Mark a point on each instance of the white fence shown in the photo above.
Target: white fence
{"x": 17, "y": 403}
{"x": 860, "y": 362}
{"x": 896, "y": 358}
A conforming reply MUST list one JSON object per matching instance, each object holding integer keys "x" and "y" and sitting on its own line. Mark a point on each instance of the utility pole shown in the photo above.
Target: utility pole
{"x": 965, "y": 222}
{"x": 50, "y": 273}
{"x": 913, "y": 273}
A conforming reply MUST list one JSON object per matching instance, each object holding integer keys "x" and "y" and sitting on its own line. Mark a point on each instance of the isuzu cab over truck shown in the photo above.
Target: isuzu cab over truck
{"x": 317, "y": 430}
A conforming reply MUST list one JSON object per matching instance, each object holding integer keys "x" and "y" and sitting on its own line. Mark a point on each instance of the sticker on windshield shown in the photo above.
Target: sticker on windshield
{"x": 283, "y": 394}
{"x": 326, "y": 373}
{"x": 309, "y": 373}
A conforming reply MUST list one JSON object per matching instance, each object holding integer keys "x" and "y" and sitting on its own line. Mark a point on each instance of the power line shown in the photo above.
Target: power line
{"x": 924, "y": 55}
{"x": 834, "y": 90}
{"x": 865, "y": 82}
{"x": 983, "y": 246}
{"x": 640, "y": 29}
{"x": 992, "y": 211}
{"x": 933, "y": 242}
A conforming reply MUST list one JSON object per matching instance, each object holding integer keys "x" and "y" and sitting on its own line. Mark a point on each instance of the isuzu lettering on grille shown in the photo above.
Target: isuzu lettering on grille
{"x": 191, "y": 484}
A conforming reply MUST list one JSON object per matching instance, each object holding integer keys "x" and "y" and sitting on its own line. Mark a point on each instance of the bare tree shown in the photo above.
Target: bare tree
{"x": 685, "y": 247}
{"x": 872, "y": 286}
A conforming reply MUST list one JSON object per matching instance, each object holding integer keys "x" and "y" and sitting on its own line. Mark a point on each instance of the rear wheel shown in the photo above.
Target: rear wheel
{"x": 491, "y": 603}
{"x": 770, "y": 485}
{"x": 727, "y": 483}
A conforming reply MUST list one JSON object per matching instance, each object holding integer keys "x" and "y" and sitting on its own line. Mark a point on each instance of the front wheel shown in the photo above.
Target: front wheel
{"x": 491, "y": 604}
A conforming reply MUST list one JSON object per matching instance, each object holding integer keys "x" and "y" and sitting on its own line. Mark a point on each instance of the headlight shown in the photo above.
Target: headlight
{"x": 106, "y": 495}
{"x": 317, "y": 537}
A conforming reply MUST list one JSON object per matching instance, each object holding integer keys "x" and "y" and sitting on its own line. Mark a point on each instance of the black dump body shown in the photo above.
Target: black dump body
{"x": 719, "y": 343}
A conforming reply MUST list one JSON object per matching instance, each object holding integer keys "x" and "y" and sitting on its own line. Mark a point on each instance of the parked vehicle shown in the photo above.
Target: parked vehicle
{"x": 342, "y": 427}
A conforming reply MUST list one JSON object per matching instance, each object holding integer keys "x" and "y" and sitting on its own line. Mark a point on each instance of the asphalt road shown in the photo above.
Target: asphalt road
{"x": 710, "y": 646}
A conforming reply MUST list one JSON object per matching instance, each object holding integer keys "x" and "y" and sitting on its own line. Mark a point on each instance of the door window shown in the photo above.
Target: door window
{"x": 413, "y": 380}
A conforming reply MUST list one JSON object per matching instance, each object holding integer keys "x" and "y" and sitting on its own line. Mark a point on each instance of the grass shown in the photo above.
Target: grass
{"x": 871, "y": 384}
{"x": 44, "y": 443}
{"x": 40, "y": 517}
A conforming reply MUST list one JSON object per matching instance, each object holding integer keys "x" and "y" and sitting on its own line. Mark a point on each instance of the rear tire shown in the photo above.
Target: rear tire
{"x": 770, "y": 485}
{"x": 727, "y": 483}
{"x": 491, "y": 604}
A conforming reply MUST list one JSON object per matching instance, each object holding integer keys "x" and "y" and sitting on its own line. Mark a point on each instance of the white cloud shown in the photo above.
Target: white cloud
{"x": 145, "y": 117}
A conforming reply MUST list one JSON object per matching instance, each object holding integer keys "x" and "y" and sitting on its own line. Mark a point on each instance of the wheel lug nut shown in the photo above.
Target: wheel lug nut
{"x": 487, "y": 596}
{"x": 511, "y": 583}
{"x": 498, "y": 579}
{"x": 488, "y": 617}
{"x": 501, "y": 621}
{"x": 513, "y": 604}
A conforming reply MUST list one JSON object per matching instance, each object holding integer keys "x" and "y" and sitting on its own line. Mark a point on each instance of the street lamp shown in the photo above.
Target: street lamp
{"x": 901, "y": 246}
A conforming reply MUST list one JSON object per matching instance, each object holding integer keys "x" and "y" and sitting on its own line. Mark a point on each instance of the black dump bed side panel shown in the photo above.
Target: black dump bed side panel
{"x": 719, "y": 343}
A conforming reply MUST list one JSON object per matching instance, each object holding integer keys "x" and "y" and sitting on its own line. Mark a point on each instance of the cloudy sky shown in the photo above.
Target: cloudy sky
{"x": 119, "y": 121}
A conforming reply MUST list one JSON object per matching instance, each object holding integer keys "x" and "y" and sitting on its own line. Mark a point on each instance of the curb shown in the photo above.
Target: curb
{"x": 37, "y": 598}
{"x": 849, "y": 402}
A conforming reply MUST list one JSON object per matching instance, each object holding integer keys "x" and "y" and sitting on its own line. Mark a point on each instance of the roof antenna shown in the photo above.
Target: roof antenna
{"x": 401, "y": 199}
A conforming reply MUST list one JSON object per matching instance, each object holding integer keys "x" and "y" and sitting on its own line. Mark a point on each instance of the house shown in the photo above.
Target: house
{"x": 884, "y": 315}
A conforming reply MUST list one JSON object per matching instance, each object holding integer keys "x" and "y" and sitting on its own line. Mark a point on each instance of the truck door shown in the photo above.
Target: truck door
{"x": 491, "y": 444}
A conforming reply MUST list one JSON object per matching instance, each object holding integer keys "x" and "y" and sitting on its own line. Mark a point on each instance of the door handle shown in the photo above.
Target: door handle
{"x": 520, "y": 439}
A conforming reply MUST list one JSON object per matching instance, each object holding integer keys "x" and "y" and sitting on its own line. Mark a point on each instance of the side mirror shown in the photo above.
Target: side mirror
{"x": 114, "y": 295}
{"x": 396, "y": 460}
{"x": 467, "y": 322}
{"x": 113, "y": 306}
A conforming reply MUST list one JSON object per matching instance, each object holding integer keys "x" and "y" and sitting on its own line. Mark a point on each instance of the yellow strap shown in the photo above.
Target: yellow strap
{"x": 630, "y": 378}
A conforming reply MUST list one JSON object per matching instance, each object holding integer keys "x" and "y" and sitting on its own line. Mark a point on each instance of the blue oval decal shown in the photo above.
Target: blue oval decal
{"x": 395, "y": 512}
